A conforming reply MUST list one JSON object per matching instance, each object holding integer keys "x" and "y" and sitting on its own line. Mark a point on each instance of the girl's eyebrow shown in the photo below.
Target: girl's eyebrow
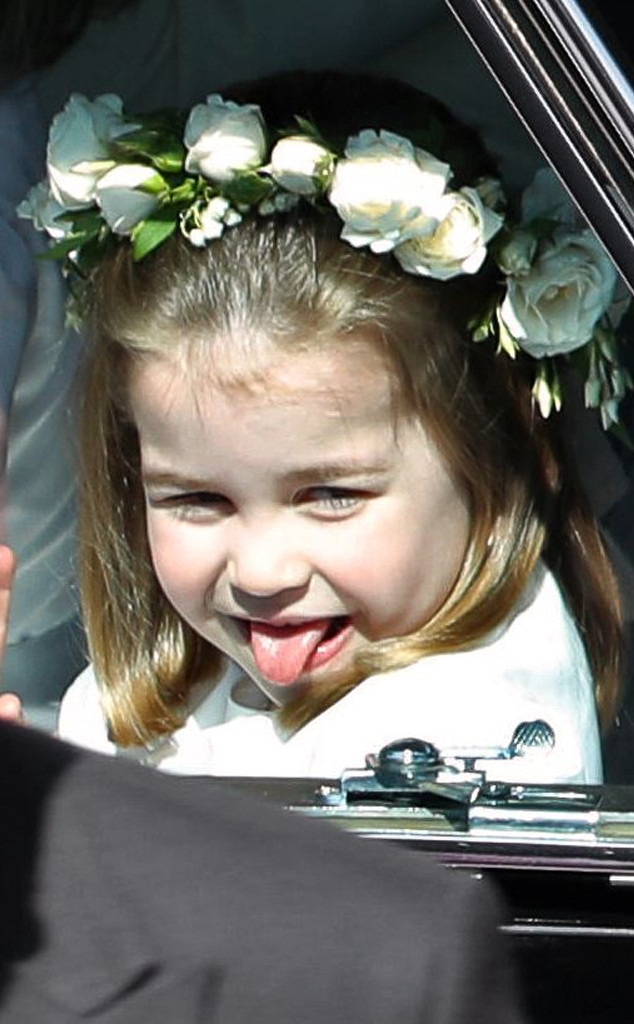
{"x": 175, "y": 479}
{"x": 298, "y": 477}
{"x": 337, "y": 471}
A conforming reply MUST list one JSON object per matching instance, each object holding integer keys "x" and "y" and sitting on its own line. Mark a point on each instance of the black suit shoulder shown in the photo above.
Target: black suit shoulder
{"x": 149, "y": 892}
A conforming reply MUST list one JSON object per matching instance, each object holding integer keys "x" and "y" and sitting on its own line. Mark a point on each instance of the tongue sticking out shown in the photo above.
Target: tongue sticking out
{"x": 281, "y": 652}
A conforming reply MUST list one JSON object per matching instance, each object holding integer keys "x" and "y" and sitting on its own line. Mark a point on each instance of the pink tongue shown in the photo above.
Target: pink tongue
{"x": 281, "y": 652}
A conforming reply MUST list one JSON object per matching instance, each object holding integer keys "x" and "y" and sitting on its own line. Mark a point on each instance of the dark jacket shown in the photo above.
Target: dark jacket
{"x": 131, "y": 896}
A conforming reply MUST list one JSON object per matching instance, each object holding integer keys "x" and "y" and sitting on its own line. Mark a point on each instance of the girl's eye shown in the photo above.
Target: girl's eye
{"x": 193, "y": 504}
{"x": 331, "y": 500}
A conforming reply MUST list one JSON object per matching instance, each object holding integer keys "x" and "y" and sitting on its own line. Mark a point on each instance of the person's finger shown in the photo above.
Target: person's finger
{"x": 7, "y": 572}
{"x": 11, "y": 708}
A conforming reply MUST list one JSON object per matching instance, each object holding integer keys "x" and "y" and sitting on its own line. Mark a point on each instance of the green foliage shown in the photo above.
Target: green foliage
{"x": 156, "y": 141}
{"x": 248, "y": 189}
{"x": 151, "y": 233}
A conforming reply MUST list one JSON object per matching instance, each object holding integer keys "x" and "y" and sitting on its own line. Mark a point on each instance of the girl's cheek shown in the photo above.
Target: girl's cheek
{"x": 174, "y": 553}
{"x": 189, "y": 566}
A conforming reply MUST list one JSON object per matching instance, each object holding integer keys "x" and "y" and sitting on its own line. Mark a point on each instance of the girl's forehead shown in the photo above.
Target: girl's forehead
{"x": 325, "y": 394}
{"x": 271, "y": 370}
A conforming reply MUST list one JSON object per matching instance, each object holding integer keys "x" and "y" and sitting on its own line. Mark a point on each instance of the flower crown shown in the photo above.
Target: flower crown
{"x": 111, "y": 176}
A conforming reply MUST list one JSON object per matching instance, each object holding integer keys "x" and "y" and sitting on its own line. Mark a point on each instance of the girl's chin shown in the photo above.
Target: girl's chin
{"x": 283, "y": 694}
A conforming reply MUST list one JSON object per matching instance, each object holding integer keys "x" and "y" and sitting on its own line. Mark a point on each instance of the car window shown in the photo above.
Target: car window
{"x": 538, "y": 79}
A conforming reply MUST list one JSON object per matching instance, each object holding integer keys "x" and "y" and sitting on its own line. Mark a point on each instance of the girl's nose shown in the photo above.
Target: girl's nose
{"x": 265, "y": 562}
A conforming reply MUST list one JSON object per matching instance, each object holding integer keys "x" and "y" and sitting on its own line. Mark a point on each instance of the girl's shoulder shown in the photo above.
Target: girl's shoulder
{"x": 81, "y": 719}
{"x": 205, "y": 741}
{"x": 533, "y": 667}
{"x": 539, "y": 643}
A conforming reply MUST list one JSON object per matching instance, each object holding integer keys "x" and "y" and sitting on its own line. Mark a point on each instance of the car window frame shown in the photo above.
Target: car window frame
{"x": 573, "y": 97}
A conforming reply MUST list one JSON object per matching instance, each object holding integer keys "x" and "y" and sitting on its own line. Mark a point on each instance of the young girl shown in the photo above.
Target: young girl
{"x": 321, "y": 508}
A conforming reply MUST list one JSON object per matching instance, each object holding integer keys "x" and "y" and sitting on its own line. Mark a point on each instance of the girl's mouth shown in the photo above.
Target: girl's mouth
{"x": 283, "y": 653}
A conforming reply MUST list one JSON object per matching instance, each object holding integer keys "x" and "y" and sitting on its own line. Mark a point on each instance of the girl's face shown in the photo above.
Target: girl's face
{"x": 294, "y": 520}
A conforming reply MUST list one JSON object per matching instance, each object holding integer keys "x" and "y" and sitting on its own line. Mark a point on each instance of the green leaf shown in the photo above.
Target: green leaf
{"x": 606, "y": 340}
{"x": 60, "y": 249}
{"x": 310, "y": 129}
{"x": 151, "y": 233}
{"x": 169, "y": 161}
{"x": 84, "y": 220}
{"x": 248, "y": 189}
{"x": 163, "y": 151}
{"x": 592, "y": 392}
{"x": 185, "y": 191}
{"x": 481, "y": 327}
{"x": 83, "y": 231}
{"x": 168, "y": 121}
{"x": 324, "y": 171}
{"x": 482, "y": 332}
{"x": 154, "y": 186}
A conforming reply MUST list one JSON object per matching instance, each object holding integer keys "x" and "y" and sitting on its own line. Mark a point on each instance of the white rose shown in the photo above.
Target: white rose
{"x": 295, "y": 163}
{"x": 458, "y": 245}
{"x": 555, "y": 306}
{"x": 621, "y": 302}
{"x": 78, "y": 150}
{"x": 223, "y": 138}
{"x": 127, "y": 195}
{"x": 385, "y": 186}
{"x": 42, "y": 208}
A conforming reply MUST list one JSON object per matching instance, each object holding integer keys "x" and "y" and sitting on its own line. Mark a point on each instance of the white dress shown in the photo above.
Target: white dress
{"x": 533, "y": 667}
